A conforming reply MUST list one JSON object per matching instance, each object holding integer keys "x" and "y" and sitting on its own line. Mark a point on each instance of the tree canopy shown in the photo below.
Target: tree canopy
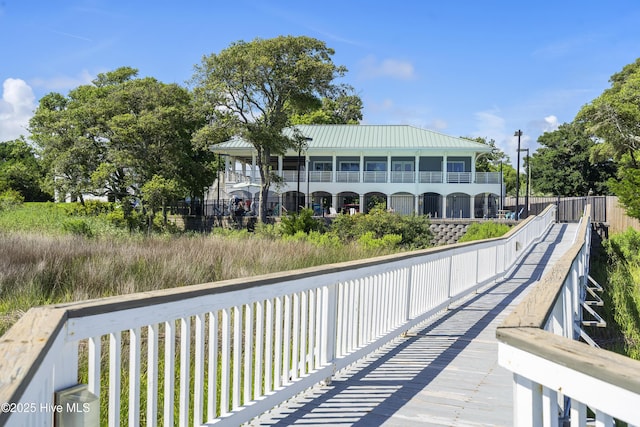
{"x": 614, "y": 119}
{"x": 21, "y": 170}
{"x": 113, "y": 136}
{"x": 252, "y": 89}
{"x": 562, "y": 165}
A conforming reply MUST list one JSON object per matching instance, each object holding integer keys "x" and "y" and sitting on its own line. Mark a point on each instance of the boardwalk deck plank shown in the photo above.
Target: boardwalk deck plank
{"x": 443, "y": 373}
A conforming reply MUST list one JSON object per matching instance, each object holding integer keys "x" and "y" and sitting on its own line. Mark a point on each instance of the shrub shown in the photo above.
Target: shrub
{"x": 304, "y": 221}
{"x": 77, "y": 226}
{"x": 9, "y": 199}
{"x": 484, "y": 230}
{"x": 414, "y": 230}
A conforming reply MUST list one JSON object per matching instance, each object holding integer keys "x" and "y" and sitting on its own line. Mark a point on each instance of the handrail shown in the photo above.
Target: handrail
{"x": 304, "y": 325}
{"x": 538, "y": 343}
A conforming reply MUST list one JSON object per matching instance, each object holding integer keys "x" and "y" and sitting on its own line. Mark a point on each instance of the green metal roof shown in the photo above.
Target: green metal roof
{"x": 373, "y": 137}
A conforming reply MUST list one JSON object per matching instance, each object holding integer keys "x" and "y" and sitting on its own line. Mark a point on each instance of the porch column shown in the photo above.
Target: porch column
{"x": 334, "y": 201}
{"x": 389, "y": 202}
{"x": 472, "y": 212}
{"x": 227, "y": 166}
{"x": 253, "y": 167}
{"x": 334, "y": 168}
{"x": 361, "y": 169}
{"x": 444, "y": 206}
{"x": 361, "y": 202}
{"x": 388, "y": 169}
{"x": 279, "y": 213}
{"x": 416, "y": 207}
{"x": 444, "y": 169}
{"x": 473, "y": 169}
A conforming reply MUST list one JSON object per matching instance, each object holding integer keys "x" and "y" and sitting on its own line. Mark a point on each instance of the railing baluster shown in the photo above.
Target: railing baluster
{"x": 268, "y": 345}
{"x": 213, "y": 389}
{"x": 114, "y": 379}
{"x": 295, "y": 351}
{"x": 198, "y": 375}
{"x": 258, "y": 354}
{"x": 169, "y": 373}
{"x": 304, "y": 313}
{"x": 134, "y": 376}
{"x": 278, "y": 350}
{"x": 286, "y": 350}
{"x": 225, "y": 366}
{"x": 248, "y": 352}
{"x": 152, "y": 375}
{"x": 185, "y": 362}
{"x": 237, "y": 352}
{"x": 95, "y": 351}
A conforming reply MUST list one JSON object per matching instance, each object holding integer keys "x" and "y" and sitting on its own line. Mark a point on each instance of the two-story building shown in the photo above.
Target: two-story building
{"x": 348, "y": 168}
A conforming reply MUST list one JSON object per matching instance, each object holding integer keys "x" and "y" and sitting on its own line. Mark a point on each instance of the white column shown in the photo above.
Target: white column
{"x": 444, "y": 206}
{"x": 361, "y": 168}
{"x": 472, "y": 202}
{"x": 334, "y": 201}
{"x": 388, "y": 168}
{"x": 361, "y": 202}
{"x": 253, "y": 167}
{"x": 334, "y": 168}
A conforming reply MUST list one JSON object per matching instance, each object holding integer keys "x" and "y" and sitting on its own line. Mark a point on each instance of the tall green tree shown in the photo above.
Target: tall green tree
{"x": 113, "y": 136}
{"x": 562, "y": 165}
{"x": 614, "y": 118}
{"x": 346, "y": 109}
{"x": 251, "y": 89}
{"x": 21, "y": 170}
{"x": 496, "y": 161}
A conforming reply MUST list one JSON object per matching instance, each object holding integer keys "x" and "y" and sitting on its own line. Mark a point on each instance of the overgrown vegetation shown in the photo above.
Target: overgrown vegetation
{"x": 56, "y": 253}
{"x": 618, "y": 268}
{"x": 484, "y": 230}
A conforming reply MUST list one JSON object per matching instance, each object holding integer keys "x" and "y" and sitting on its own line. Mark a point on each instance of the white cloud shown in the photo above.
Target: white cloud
{"x": 16, "y": 108}
{"x": 394, "y": 68}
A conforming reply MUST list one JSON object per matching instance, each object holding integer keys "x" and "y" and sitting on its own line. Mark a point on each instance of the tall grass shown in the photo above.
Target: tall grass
{"x": 38, "y": 269}
{"x": 617, "y": 268}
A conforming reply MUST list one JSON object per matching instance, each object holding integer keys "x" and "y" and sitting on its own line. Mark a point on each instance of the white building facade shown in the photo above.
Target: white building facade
{"x": 349, "y": 168}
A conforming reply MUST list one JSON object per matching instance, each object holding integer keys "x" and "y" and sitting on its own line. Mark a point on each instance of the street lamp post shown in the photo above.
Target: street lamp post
{"x": 518, "y": 134}
{"x": 526, "y": 194}
{"x": 302, "y": 143}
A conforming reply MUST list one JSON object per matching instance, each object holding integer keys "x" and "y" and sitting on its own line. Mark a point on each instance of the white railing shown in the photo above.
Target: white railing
{"x": 227, "y": 352}
{"x": 458, "y": 177}
{"x": 375, "y": 176}
{"x": 556, "y": 378}
{"x": 487, "y": 178}
{"x": 430, "y": 177}
{"x": 403, "y": 176}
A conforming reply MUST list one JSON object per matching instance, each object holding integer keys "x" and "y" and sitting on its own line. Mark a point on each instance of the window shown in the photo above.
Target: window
{"x": 376, "y": 166}
{"x": 403, "y": 166}
{"x": 455, "y": 166}
{"x": 348, "y": 166}
{"x": 322, "y": 166}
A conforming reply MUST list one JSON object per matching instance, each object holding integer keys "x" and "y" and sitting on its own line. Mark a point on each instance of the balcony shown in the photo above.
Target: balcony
{"x": 423, "y": 177}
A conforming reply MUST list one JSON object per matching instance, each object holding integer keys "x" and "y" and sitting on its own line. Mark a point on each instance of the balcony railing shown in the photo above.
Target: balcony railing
{"x": 403, "y": 177}
{"x": 375, "y": 176}
{"x": 458, "y": 177}
{"x": 424, "y": 177}
{"x": 427, "y": 177}
{"x": 347, "y": 176}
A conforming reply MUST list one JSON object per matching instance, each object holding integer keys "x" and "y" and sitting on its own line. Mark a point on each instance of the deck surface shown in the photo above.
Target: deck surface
{"x": 443, "y": 373}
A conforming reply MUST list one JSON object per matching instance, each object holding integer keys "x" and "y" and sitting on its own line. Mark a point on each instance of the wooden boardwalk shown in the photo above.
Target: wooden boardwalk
{"x": 443, "y": 373}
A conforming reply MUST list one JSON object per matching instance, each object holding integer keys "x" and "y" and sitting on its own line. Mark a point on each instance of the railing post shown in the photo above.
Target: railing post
{"x": 527, "y": 402}
{"x": 409, "y": 293}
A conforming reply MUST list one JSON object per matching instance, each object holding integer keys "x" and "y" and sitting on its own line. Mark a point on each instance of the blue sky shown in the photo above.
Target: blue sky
{"x": 464, "y": 68}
